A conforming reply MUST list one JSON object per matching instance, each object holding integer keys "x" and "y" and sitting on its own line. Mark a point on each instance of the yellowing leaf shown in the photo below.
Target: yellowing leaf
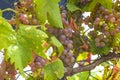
{"x": 54, "y": 70}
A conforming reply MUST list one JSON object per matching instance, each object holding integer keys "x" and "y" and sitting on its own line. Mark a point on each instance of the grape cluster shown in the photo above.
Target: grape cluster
{"x": 100, "y": 41}
{"x": 26, "y": 13}
{"x": 105, "y": 24}
{"x": 37, "y": 63}
{"x": 7, "y": 71}
{"x": 65, "y": 37}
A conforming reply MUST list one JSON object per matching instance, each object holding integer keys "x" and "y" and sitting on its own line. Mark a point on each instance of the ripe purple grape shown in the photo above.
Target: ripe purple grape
{"x": 102, "y": 44}
{"x": 69, "y": 45}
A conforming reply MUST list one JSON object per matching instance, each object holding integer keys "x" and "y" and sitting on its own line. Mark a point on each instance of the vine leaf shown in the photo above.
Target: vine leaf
{"x": 28, "y": 39}
{"x": 0, "y": 12}
{"x": 54, "y": 70}
{"x": 106, "y": 3}
{"x": 72, "y": 7}
{"x": 32, "y": 38}
{"x": 6, "y": 34}
{"x": 49, "y": 10}
{"x": 80, "y": 76}
{"x": 56, "y": 43}
{"x": 19, "y": 55}
{"x": 116, "y": 39}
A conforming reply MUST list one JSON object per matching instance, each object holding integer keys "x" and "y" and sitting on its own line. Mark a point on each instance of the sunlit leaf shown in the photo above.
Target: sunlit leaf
{"x": 57, "y": 43}
{"x": 49, "y": 10}
{"x": 32, "y": 38}
{"x": 54, "y": 70}
{"x": 80, "y": 76}
{"x": 72, "y": 7}
{"x": 19, "y": 55}
{"x": 6, "y": 34}
{"x": 106, "y": 3}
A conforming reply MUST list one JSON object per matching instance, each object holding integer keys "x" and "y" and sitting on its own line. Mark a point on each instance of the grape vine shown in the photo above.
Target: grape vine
{"x": 39, "y": 25}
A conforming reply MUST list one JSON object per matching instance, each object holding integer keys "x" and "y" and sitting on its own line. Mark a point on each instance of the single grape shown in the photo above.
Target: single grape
{"x": 106, "y": 17}
{"x": 38, "y": 59}
{"x": 38, "y": 64}
{"x": 97, "y": 20}
{"x": 101, "y": 8}
{"x": 112, "y": 19}
{"x": 102, "y": 44}
{"x": 65, "y": 52}
{"x": 97, "y": 40}
{"x": 69, "y": 45}
{"x": 62, "y": 37}
{"x": 50, "y": 30}
{"x": 63, "y": 15}
{"x": 69, "y": 55}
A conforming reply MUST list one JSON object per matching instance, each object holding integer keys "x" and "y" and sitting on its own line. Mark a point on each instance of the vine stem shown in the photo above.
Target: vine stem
{"x": 91, "y": 66}
{"x": 9, "y": 9}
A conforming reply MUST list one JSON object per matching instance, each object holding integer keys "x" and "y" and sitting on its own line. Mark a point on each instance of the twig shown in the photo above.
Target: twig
{"x": 9, "y": 9}
{"x": 93, "y": 65}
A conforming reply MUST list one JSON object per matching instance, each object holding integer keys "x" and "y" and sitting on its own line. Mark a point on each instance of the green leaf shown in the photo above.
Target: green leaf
{"x": 106, "y": 3}
{"x": 49, "y": 10}
{"x": 72, "y": 7}
{"x": 116, "y": 40}
{"x": 90, "y": 6}
{"x": 80, "y": 76}
{"x": 6, "y": 34}
{"x": 72, "y": 1}
{"x": 28, "y": 39}
{"x": 56, "y": 43}
{"x": 54, "y": 70}
{"x": 32, "y": 38}
{"x": 0, "y": 12}
{"x": 19, "y": 55}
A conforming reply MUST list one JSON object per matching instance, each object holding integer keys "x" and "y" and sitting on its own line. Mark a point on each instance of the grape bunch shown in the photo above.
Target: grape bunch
{"x": 7, "y": 71}
{"x": 25, "y": 14}
{"x": 105, "y": 24}
{"x": 37, "y": 63}
{"x": 100, "y": 41}
{"x": 65, "y": 37}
